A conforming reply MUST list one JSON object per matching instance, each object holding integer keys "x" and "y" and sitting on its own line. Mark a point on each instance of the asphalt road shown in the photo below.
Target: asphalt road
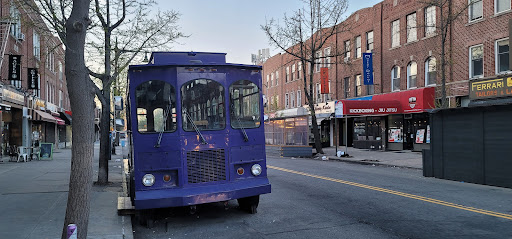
{"x": 327, "y": 199}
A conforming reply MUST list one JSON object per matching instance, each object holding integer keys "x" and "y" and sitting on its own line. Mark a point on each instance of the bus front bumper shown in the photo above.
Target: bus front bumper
{"x": 193, "y": 195}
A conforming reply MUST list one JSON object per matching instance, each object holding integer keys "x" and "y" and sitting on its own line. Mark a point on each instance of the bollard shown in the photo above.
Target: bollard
{"x": 72, "y": 231}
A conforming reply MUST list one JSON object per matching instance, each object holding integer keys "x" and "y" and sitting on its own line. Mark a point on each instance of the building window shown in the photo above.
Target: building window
{"x": 286, "y": 101}
{"x": 430, "y": 71}
{"x": 358, "y": 46}
{"x": 359, "y": 88}
{"x": 37, "y": 45}
{"x": 318, "y": 61}
{"x": 287, "y": 77}
{"x": 395, "y": 33}
{"x": 395, "y": 78}
{"x": 60, "y": 71}
{"x": 299, "y": 98}
{"x": 476, "y": 63}
{"x": 327, "y": 54}
{"x": 60, "y": 98}
{"x": 292, "y": 99}
{"x": 299, "y": 70}
{"x": 412, "y": 72}
{"x": 268, "y": 80}
{"x": 475, "y": 9}
{"x": 347, "y": 87}
{"x": 293, "y": 72}
{"x": 501, "y": 5}
{"x": 502, "y": 60}
{"x": 370, "y": 89}
{"x": 272, "y": 79}
{"x": 318, "y": 93}
{"x": 430, "y": 21}
{"x": 412, "y": 33}
{"x": 16, "y": 22}
{"x": 347, "y": 49}
{"x": 277, "y": 77}
{"x": 369, "y": 41}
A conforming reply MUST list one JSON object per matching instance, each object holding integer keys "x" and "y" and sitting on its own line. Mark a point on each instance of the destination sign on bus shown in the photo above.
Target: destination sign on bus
{"x": 490, "y": 88}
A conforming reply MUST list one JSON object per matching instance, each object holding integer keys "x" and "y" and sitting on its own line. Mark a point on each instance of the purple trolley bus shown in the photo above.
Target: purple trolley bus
{"x": 197, "y": 133}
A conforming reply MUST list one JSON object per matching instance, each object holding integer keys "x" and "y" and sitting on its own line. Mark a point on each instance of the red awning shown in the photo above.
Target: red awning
{"x": 367, "y": 107}
{"x": 59, "y": 120}
{"x": 412, "y": 101}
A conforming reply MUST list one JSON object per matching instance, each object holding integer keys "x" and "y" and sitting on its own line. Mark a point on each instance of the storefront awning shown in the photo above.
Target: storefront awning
{"x": 67, "y": 118}
{"x": 367, "y": 107}
{"x": 59, "y": 120}
{"x": 38, "y": 115}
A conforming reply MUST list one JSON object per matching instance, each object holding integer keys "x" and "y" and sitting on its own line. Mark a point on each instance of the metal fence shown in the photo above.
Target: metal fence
{"x": 290, "y": 131}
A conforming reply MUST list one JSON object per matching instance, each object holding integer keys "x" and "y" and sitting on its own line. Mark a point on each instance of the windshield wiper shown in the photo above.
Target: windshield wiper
{"x": 166, "y": 114}
{"x": 203, "y": 141}
{"x": 246, "y": 138}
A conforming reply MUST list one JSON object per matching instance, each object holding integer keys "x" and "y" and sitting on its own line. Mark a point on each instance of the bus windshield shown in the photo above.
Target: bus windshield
{"x": 203, "y": 100}
{"x": 153, "y": 99}
{"x": 245, "y": 104}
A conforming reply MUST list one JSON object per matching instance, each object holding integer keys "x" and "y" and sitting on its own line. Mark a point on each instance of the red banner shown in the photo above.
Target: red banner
{"x": 324, "y": 80}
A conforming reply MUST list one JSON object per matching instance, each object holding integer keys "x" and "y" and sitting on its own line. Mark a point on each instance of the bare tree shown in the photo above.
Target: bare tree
{"x": 135, "y": 31}
{"x": 305, "y": 33}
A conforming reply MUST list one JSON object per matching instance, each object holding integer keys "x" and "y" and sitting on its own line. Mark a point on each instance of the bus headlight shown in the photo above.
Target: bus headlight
{"x": 148, "y": 180}
{"x": 256, "y": 170}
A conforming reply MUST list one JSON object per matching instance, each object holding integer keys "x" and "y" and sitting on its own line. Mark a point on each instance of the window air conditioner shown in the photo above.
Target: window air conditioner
{"x": 21, "y": 36}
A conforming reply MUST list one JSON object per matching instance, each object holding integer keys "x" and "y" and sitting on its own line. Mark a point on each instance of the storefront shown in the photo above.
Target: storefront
{"x": 287, "y": 127}
{"x": 394, "y": 121}
{"x": 43, "y": 123}
{"x": 12, "y": 118}
{"x": 324, "y": 113}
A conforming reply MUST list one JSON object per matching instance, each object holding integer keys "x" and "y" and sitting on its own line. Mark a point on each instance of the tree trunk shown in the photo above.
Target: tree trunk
{"x": 311, "y": 103}
{"x": 81, "y": 96}
{"x": 105, "y": 141}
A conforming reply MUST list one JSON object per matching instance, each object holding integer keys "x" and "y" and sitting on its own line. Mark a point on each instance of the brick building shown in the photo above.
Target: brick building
{"x": 35, "y": 102}
{"x": 405, "y": 41}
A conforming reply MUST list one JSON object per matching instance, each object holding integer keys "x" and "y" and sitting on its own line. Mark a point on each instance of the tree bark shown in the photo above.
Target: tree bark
{"x": 81, "y": 96}
{"x": 105, "y": 141}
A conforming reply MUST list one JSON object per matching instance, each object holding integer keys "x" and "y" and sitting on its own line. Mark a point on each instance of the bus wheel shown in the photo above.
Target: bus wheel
{"x": 249, "y": 204}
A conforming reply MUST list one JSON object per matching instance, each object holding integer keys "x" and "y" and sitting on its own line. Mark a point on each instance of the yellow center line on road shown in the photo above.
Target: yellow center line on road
{"x": 407, "y": 195}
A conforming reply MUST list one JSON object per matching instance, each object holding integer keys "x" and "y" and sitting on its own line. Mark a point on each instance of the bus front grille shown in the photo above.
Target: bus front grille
{"x": 206, "y": 166}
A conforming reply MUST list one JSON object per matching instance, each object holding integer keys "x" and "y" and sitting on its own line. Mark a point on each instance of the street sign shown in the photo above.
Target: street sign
{"x": 367, "y": 68}
{"x": 324, "y": 80}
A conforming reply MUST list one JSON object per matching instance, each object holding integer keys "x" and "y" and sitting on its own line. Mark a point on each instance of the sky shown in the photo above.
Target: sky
{"x": 234, "y": 26}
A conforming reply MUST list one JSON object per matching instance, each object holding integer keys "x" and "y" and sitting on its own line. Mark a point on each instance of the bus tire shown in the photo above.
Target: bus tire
{"x": 249, "y": 204}
{"x": 144, "y": 217}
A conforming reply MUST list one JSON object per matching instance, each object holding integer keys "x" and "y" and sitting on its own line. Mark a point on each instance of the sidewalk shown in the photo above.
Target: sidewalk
{"x": 33, "y": 197}
{"x": 404, "y": 158}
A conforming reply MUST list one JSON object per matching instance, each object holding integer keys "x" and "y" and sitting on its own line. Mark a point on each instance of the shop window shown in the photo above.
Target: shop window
{"x": 360, "y": 129}
{"x": 395, "y": 128}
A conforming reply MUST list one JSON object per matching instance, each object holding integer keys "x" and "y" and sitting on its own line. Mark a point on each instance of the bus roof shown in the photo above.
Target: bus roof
{"x": 190, "y": 59}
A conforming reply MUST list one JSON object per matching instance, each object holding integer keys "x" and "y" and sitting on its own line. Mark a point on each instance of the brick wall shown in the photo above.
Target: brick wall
{"x": 378, "y": 19}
